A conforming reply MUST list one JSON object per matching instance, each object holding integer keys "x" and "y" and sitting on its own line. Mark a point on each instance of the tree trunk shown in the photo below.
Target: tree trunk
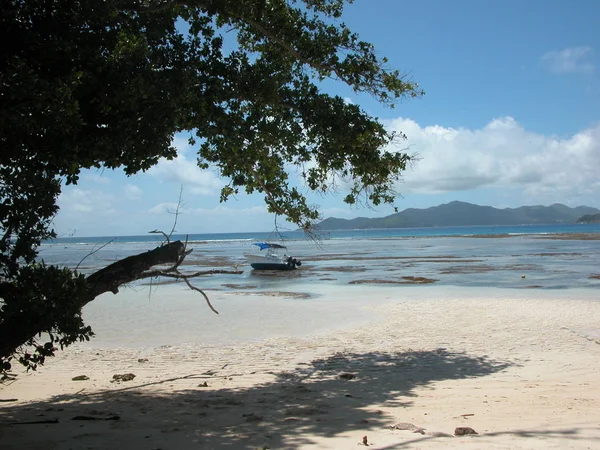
{"x": 131, "y": 268}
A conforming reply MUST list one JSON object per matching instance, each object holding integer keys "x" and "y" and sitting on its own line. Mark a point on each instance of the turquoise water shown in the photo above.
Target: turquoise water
{"x": 350, "y": 234}
{"x": 521, "y": 257}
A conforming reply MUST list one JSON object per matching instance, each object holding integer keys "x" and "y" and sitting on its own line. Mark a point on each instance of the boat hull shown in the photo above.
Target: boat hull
{"x": 271, "y": 266}
{"x": 260, "y": 262}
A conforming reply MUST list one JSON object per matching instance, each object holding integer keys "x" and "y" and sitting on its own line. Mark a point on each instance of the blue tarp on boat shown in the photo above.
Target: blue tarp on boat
{"x": 264, "y": 245}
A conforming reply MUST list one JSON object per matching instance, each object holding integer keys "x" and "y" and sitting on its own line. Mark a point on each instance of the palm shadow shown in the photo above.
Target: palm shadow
{"x": 324, "y": 398}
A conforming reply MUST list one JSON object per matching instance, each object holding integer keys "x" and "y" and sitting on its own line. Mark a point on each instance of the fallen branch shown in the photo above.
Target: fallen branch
{"x": 169, "y": 273}
{"x": 133, "y": 268}
{"x": 31, "y": 422}
{"x": 24, "y": 326}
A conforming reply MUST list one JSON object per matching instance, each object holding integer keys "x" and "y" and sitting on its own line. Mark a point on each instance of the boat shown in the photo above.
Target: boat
{"x": 271, "y": 257}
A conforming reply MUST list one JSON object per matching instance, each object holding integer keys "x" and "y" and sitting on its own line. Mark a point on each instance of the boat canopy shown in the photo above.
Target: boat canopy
{"x": 264, "y": 245}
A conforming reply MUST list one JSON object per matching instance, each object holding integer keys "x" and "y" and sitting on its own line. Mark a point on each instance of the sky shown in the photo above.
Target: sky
{"x": 511, "y": 117}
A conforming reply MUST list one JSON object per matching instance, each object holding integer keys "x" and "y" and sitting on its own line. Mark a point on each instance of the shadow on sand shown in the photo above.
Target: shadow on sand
{"x": 327, "y": 397}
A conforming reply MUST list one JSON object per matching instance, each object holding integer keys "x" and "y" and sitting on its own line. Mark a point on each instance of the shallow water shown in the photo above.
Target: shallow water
{"x": 341, "y": 283}
{"x": 523, "y": 261}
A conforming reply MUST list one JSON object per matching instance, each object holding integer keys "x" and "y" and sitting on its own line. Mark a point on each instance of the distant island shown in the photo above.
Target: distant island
{"x": 589, "y": 218}
{"x": 467, "y": 214}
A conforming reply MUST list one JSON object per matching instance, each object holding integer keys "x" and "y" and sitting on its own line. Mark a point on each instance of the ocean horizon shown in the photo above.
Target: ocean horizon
{"x": 467, "y": 230}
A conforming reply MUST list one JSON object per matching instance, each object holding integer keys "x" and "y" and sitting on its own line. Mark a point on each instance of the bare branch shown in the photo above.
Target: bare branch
{"x": 93, "y": 251}
{"x": 194, "y": 288}
{"x": 176, "y": 212}
{"x": 160, "y": 232}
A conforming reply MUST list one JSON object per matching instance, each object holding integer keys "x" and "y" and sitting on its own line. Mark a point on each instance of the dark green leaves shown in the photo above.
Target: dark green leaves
{"x": 110, "y": 83}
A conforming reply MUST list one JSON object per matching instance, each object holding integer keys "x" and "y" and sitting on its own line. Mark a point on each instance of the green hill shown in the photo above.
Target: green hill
{"x": 589, "y": 218}
{"x": 464, "y": 214}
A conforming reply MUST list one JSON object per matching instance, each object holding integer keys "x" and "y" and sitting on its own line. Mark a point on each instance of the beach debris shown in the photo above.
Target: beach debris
{"x": 463, "y": 431}
{"x": 31, "y": 422}
{"x": 115, "y": 417}
{"x": 365, "y": 441}
{"x": 80, "y": 378}
{"x": 406, "y": 426}
{"x": 252, "y": 417}
{"x": 467, "y": 415}
{"x": 143, "y": 360}
{"x": 347, "y": 376}
{"x": 438, "y": 434}
{"x": 6, "y": 400}
{"x": 123, "y": 377}
{"x": 205, "y": 384}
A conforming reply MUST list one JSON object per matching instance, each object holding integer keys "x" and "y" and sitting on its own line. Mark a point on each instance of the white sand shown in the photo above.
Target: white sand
{"x": 522, "y": 368}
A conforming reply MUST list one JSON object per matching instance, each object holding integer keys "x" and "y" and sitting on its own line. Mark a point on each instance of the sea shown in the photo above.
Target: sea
{"x": 344, "y": 278}
{"x": 541, "y": 256}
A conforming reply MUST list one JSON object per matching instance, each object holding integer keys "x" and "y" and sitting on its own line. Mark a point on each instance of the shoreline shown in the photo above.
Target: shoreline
{"x": 177, "y": 316}
{"x": 520, "y": 369}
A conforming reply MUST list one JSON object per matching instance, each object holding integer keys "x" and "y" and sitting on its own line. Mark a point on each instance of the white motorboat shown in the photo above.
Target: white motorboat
{"x": 271, "y": 257}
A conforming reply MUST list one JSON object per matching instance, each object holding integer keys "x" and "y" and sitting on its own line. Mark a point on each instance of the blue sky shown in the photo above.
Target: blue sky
{"x": 511, "y": 117}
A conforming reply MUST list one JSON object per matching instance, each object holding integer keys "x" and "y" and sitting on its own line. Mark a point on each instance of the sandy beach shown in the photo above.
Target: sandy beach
{"x": 519, "y": 367}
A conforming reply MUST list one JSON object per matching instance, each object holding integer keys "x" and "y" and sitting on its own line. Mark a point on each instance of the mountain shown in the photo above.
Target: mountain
{"x": 589, "y": 218}
{"x": 460, "y": 214}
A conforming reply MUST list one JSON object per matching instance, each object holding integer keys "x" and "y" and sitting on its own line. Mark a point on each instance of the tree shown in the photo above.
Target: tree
{"x": 108, "y": 84}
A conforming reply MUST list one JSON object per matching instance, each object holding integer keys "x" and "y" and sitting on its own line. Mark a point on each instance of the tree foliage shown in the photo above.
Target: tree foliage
{"x": 109, "y": 83}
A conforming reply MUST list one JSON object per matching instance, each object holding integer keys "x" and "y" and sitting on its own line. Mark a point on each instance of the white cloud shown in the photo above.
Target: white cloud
{"x": 74, "y": 200}
{"x": 503, "y": 155}
{"x": 182, "y": 144}
{"x": 133, "y": 192}
{"x": 187, "y": 173}
{"x": 220, "y": 219}
{"x": 164, "y": 207}
{"x": 222, "y": 211}
{"x": 569, "y": 60}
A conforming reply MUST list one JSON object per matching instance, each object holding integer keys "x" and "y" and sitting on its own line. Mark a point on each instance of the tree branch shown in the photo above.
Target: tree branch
{"x": 24, "y": 326}
{"x": 92, "y": 252}
{"x": 132, "y": 268}
{"x": 268, "y": 34}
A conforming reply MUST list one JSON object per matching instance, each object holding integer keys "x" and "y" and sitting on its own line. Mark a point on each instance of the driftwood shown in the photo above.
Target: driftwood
{"x": 133, "y": 268}
{"x": 25, "y": 326}
{"x": 31, "y": 422}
